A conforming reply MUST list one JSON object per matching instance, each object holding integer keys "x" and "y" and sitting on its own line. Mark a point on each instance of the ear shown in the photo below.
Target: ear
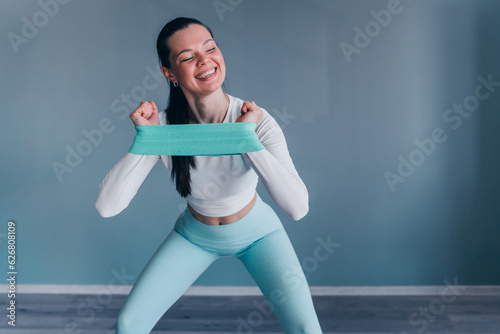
{"x": 168, "y": 74}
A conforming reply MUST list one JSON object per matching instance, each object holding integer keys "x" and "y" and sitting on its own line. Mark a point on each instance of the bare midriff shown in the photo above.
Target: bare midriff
{"x": 226, "y": 219}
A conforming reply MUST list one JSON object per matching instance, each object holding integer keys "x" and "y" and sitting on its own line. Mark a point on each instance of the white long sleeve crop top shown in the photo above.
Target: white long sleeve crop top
{"x": 220, "y": 185}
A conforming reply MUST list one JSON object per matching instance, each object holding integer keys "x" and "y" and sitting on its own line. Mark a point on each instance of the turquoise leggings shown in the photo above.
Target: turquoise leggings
{"x": 258, "y": 240}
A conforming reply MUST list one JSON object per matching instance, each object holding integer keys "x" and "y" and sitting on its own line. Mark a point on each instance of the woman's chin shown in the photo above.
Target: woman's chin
{"x": 211, "y": 88}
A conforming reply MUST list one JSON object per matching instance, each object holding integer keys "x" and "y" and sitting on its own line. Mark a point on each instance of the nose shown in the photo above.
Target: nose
{"x": 202, "y": 59}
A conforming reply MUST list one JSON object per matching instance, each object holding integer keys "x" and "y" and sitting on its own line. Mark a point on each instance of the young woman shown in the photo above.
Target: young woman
{"x": 224, "y": 215}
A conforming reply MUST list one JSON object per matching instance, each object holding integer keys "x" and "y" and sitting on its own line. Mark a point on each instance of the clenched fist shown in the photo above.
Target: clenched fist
{"x": 145, "y": 114}
{"x": 250, "y": 113}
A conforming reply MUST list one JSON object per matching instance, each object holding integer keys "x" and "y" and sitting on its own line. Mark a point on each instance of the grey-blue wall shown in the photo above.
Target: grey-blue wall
{"x": 352, "y": 107}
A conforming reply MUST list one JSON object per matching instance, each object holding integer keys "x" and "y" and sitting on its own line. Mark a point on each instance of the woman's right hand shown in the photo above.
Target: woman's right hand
{"x": 145, "y": 114}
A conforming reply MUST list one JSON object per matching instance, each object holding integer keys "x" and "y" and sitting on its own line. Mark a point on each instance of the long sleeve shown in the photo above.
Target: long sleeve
{"x": 122, "y": 182}
{"x": 276, "y": 170}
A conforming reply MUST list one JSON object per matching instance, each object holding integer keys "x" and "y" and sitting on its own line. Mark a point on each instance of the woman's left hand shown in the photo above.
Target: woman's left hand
{"x": 250, "y": 113}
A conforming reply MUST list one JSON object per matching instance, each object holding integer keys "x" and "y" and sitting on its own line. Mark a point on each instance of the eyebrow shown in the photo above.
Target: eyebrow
{"x": 186, "y": 50}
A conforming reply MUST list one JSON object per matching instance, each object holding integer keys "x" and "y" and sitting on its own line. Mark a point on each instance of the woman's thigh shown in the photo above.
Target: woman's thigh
{"x": 274, "y": 265}
{"x": 173, "y": 268}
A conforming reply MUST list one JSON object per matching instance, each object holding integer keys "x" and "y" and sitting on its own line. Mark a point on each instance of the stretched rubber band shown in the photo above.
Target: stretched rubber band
{"x": 213, "y": 139}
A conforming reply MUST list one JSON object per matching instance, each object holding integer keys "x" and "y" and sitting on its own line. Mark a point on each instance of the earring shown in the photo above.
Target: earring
{"x": 176, "y": 84}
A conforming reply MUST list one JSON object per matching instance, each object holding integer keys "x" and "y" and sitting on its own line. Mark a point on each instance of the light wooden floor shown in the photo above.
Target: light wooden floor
{"x": 77, "y": 313}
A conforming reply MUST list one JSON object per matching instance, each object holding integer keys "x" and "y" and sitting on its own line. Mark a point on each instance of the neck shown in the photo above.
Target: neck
{"x": 210, "y": 108}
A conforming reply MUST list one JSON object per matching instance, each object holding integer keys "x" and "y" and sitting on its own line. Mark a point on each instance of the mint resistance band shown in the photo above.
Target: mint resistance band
{"x": 196, "y": 139}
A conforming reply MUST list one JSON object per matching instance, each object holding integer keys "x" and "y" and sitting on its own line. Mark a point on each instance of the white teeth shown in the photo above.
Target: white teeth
{"x": 206, "y": 74}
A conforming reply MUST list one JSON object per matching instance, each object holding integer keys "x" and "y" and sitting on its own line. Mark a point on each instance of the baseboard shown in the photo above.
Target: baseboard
{"x": 197, "y": 290}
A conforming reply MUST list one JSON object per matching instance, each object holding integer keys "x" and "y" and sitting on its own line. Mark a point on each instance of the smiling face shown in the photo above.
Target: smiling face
{"x": 196, "y": 62}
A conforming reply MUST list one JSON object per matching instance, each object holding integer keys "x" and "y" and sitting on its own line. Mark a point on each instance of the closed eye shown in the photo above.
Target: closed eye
{"x": 188, "y": 59}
